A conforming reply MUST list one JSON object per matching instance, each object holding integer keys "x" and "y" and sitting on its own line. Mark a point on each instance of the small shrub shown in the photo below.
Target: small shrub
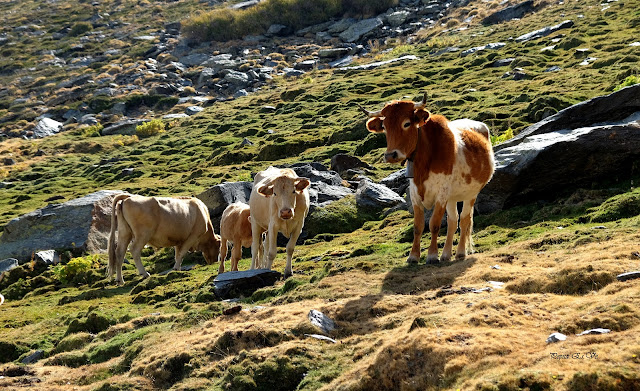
{"x": 629, "y": 81}
{"x": 80, "y": 28}
{"x": 75, "y": 267}
{"x": 507, "y": 135}
{"x": 92, "y": 131}
{"x": 150, "y": 128}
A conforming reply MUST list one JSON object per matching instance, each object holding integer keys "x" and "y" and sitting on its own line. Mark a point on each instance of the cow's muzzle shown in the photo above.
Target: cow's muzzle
{"x": 394, "y": 156}
{"x": 286, "y": 214}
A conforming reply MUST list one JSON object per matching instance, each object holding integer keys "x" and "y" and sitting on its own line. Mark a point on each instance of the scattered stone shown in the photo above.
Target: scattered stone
{"x": 628, "y": 276}
{"x": 243, "y": 283}
{"x": 8, "y": 161}
{"x": 232, "y": 310}
{"x": 48, "y": 257}
{"x": 544, "y": 31}
{"x": 321, "y": 337}
{"x": 175, "y": 116}
{"x": 279, "y": 30}
{"x": 321, "y": 321}
{"x": 374, "y": 65}
{"x": 194, "y": 59}
{"x": 489, "y": 46}
{"x": 246, "y": 141}
{"x": 556, "y": 337}
{"x": 126, "y": 127}
{"x": 8, "y": 264}
{"x": 396, "y": 181}
{"x": 342, "y": 162}
{"x": 502, "y": 63}
{"x": 359, "y": 29}
{"x": 398, "y": 18}
{"x": 127, "y": 172}
{"x": 192, "y": 110}
{"x": 595, "y": 331}
{"x": 515, "y": 11}
{"x": 333, "y": 52}
{"x": 554, "y": 68}
{"x": 47, "y": 127}
{"x": 33, "y": 357}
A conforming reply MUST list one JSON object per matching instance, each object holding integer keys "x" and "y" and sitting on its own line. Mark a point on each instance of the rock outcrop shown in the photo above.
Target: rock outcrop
{"x": 83, "y": 224}
{"x": 593, "y": 141}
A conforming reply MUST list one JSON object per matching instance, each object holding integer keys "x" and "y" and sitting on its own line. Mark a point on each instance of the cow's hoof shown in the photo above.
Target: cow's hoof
{"x": 460, "y": 256}
{"x": 433, "y": 259}
{"x": 287, "y": 275}
{"x": 445, "y": 258}
{"x": 412, "y": 260}
{"x": 145, "y": 275}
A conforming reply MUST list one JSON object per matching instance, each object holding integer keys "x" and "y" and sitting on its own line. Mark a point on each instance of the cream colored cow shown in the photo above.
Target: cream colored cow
{"x": 235, "y": 228}
{"x": 181, "y": 222}
{"x": 279, "y": 202}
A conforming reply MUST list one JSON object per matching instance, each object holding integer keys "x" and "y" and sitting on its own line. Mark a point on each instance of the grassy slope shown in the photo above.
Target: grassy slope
{"x": 391, "y": 331}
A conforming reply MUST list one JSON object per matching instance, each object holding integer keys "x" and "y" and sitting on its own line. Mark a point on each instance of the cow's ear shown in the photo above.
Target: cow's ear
{"x": 301, "y": 184}
{"x": 266, "y": 190}
{"x": 375, "y": 125}
{"x": 422, "y": 116}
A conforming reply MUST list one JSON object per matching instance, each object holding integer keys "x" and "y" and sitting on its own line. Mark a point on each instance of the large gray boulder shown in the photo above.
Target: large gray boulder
{"x": 218, "y": 197}
{"x": 590, "y": 142}
{"x": 83, "y": 223}
{"x": 375, "y": 196}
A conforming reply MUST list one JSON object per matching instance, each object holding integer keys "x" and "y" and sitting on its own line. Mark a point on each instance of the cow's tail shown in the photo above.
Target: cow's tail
{"x": 111, "y": 247}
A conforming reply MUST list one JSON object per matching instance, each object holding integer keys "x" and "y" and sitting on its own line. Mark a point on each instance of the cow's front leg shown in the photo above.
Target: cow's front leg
{"x": 288, "y": 272}
{"x": 223, "y": 255}
{"x": 418, "y": 229}
{"x": 271, "y": 246}
{"x": 434, "y": 227}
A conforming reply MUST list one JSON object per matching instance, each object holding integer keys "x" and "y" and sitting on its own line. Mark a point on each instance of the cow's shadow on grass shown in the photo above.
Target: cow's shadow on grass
{"x": 364, "y": 314}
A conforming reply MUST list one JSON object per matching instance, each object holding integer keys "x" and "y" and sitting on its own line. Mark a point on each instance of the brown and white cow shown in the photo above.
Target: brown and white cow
{"x": 235, "y": 228}
{"x": 279, "y": 202}
{"x": 181, "y": 222}
{"x": 450, "y": 161}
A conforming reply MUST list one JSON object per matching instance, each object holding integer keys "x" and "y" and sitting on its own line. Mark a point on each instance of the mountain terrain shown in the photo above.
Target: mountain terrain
{"x": 547, "y": 263}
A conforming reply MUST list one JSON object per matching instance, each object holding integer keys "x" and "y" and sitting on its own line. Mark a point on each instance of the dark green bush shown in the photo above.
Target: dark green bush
{"x": 80, "y": 28}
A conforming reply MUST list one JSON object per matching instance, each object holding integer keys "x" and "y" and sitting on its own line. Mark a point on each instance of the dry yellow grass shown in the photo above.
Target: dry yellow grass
{"x": 395, "y": 334}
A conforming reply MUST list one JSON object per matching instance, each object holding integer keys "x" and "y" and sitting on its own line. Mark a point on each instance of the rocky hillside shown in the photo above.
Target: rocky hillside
{"x": 548, "y": 301}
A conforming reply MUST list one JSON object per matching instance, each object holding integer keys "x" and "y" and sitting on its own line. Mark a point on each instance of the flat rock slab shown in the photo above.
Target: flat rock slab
{"x": 628, "y": 276}
{"x": 321, "y": 321}
{"x": 243, "y": 283}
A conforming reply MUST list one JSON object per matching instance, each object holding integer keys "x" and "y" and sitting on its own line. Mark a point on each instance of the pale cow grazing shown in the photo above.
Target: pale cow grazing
{"x": 448, "y": 162}
{"x": 180, "y": 222}
{"x": 279, "y": 202}
{"x": 235, "y": 228}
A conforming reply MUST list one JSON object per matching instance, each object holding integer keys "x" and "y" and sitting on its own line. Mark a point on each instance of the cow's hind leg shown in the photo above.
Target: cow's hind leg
{"x": 136, "y": 249}
{"x": 452, "y": 227}
{"x": 124, "y": 238}
{"x": 236, "y": 254}
{"x": 466, "y": 227}
{"x": 418, "y": 229}
{"x": 256, "y": 243}
{"x": 434, "y": 227}
{"x": 223, "y": 255}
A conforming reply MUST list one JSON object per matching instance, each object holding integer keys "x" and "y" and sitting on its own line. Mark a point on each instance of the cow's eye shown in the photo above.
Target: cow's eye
{"x": 406, "y": 124}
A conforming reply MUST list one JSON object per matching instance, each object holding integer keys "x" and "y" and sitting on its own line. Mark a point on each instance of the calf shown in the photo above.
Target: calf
{"x": 235, "y": 228}
{"x": 448, "y": 161}
{"x": 181, "y": 222}
{"x": 279, "y": 202}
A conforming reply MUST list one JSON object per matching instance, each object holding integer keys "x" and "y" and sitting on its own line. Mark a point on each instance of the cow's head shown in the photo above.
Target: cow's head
{"x": 284, "y": 190}
{"x": 209, "y": 245}
{"x": 400, "y": 121}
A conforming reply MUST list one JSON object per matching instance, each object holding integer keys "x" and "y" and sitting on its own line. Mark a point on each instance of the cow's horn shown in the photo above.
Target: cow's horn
{"x": 371, "y": 114}
{"x": 421, "y": 104}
